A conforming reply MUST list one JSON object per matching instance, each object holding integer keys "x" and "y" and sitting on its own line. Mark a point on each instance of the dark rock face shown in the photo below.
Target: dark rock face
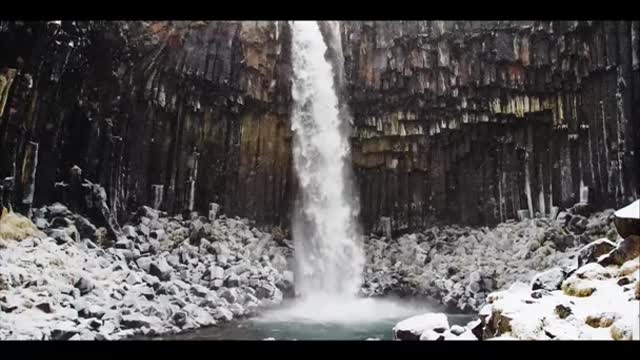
{"x": 466, "y": 122}
{"x": 171, "y": 114}
{"x": 471, "y": 125}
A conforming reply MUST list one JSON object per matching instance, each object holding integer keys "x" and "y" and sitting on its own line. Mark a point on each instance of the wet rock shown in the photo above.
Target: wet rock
{"x": 216, "y": 273}
{"x": 229, "y": 294}
{"x": 61, "y": 236}
{"x": 147, "y": 292}
{"x": 63, "y": 332}
{"x": 591, "y": 252}
{"x": 232, "y": 280}
{"x": 91, "y": 311}
{"x": 85, "y": 228}
{"x": 457, "y": 329}
{"x": 173, "y": 261}
{"x": 601, "y": 320}
{"x": 627, "y": 249}
{"x": 134, "y": 321}
{"x": 199, "y": 290}
{"x": 265, "y": 290}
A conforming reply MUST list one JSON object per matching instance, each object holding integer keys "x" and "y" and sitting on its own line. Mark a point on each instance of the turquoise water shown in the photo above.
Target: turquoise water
{"x": 358, "y": 320}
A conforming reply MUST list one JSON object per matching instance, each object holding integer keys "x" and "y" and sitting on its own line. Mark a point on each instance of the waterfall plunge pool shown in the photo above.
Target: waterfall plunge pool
{"x": 322, "y": 319}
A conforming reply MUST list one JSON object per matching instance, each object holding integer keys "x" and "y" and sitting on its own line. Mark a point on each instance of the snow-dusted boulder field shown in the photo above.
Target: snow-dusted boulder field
{"x": 164, "y": 276}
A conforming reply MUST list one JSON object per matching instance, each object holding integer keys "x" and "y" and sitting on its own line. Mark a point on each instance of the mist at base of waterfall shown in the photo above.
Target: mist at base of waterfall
{"x": 340, "y": 310}
{"x": 313, "y": 319}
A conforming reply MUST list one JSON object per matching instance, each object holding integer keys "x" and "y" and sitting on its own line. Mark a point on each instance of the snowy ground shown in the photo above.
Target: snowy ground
{"x": 156, "y": 280}
{"x": 460, "y": 266}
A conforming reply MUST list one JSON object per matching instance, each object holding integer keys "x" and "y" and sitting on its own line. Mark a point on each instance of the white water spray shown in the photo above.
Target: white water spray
{"x": 329, "y": 253}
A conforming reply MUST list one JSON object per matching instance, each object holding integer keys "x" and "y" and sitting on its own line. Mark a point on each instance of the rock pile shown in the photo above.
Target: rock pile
{"x": 165, "y": 274}
{"x": 592, "y": 302}
{"x": 589, "y": 302}
{"x": 460, "y": 266}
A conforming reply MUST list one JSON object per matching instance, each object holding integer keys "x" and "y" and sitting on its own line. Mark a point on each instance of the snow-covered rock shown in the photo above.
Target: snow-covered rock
{"x": 588, "y": 307}
{"x": 414, "y": 327}
{"x": 548, "y": 280}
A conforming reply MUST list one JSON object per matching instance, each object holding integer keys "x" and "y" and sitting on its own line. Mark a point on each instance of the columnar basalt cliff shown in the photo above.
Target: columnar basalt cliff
{"x": 459, "y": 122}
{"x": 175, "y": 115}
{"x": 471, "y": 122}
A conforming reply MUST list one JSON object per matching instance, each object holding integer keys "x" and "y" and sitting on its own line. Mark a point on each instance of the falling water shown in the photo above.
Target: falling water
{"x": 329, "y": 254}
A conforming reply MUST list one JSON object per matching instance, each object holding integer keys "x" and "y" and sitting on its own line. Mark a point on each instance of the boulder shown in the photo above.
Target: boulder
{"x": 216, "y": 273}
{"x": 627, "y": 249}
{"x": 144, "y": 263}
{"x": 457, "y": 329}
{"x": 85, "y": 285}
{"x": 161, "y": 269}
{"x": 179, "y": 318}
{"x": 591, "y": 252}
{"x": 627, "y": 220}
{"x": 133, "y": 321}
{"x": 548, "y": 280}
{"x": 223, "y": 314}
{"x": 412, "y": 328}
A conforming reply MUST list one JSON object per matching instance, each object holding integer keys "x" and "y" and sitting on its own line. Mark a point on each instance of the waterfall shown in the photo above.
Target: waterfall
{"x": 329, "y": 252}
